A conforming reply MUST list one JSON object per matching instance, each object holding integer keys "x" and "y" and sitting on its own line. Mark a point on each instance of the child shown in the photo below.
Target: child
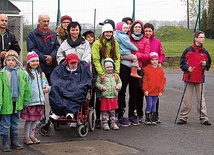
{"x": 126, "y": 46}
{"x": 35, "y": 110}
{"x": 109, "y": 94}
{"x": 15, "y": 94}
{"x": 89, "y": 36}
{"x": 153, "y": 86}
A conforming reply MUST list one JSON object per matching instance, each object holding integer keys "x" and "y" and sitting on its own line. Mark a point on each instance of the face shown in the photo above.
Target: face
{"x": 108, "y": 34}
{"x": 109, "y": 69}
{"x": 89, "y": 38}
{"x": 11, "y": 62}
{"x": 129, "y": 23}
{"x": 3, "y": 21}
{"x": 200, "y": 39}
{"x": 137, "y": 28}
{"x": 74, "y": 32}
{"x": 73, "y": 65}
{"x": 125, "y": 28}
{"x": 65, "y": 24}
{"x": 148, "y": 32}
{"x": 154, "y": 61}
{"x": 44, "y": 21}
{"x": 34, "y": 64}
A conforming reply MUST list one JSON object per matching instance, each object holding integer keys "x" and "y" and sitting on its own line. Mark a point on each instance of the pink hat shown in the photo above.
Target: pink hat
{"x": 153, "y": 55}
{"x": 32, "y": 56}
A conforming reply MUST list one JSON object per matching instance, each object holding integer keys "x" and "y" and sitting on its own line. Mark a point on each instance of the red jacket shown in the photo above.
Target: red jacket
{"x": 153, "y": 80}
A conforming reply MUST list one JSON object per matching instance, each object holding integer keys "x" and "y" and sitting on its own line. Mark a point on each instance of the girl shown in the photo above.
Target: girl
{"x": 105, "y": 47}
{"x": 15, "y": 94}
{"x": 109, "y": 94}
{"x": 153, "y": 86}
{"x": 35, "y": 110}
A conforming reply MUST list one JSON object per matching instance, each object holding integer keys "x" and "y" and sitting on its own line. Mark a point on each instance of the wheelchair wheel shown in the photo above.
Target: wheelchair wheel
{"x": 56, "y": 126}
{"x": 44, "y": 129}
{"x": 83, "y": 130}
{"x": 91, "y": 120}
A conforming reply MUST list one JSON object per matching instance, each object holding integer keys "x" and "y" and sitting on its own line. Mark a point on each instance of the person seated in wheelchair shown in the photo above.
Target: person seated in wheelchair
{"x": 70, "y": 82}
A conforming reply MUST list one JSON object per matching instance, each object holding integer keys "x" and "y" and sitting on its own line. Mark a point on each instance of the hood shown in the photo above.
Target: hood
{"x": 107, "y": 60}
{"x": 134, "y": 23}
{"x": 119, "y": 26}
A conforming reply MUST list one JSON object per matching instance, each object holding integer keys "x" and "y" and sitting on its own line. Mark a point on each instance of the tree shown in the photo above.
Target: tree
{"x": 26, "y": 30}
{"x": 204, "y": 21}
{"x": 210, "y": 20}
{"x": 193, "y": 7}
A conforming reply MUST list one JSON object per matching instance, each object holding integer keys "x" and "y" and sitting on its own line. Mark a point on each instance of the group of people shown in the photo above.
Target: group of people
{"x": 67, "y": 64}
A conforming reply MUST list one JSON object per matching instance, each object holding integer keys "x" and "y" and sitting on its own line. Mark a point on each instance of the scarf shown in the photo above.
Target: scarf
{"x": 14, "y": 83}
{"x": 137, "y": 36}
{"x": 75, "y": 43}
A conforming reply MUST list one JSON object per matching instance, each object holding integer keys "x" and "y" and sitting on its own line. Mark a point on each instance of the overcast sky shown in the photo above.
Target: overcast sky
{"x": 83, "y": 10}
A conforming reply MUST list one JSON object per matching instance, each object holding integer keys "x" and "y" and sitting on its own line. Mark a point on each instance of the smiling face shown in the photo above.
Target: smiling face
{"x": 74, "y": 32}
{"x": 34, "y": 64}
{"x": 65, "y": 24}
{"x": 148, "y": 32}
{"x": 137, "y": 28}
{"x": 108, "y": 34}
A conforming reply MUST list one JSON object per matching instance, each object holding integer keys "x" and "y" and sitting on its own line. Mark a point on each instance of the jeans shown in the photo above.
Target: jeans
{"x": 151, "y": 102}
{"x": 9, "y": 121}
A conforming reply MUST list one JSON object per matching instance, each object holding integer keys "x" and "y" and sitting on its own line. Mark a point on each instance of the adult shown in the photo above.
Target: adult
{"x": 135, "y": 90}
{"x": 7, "y": 40}
{"x": 105, "y": 47}
{"x": 44, "y": 42}
{"x": 75, "y": 43}
{"x": 193, "y": 62}
{"x": 155, "y": 46}
{"x": 128, "y": 21}
{"x": 62, "y": 32}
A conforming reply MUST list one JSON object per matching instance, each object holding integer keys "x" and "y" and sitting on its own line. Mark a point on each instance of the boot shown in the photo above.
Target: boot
{"x": 134, "y": 72}
{"x": 14, "y": 142}
{"x": 6, "y": 147}
{"x": 147, "y": 118}
{"x": 153, "y": 118}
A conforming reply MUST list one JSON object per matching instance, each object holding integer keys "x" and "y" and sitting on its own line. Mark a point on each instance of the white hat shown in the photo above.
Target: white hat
{"x": 107, "y": 27}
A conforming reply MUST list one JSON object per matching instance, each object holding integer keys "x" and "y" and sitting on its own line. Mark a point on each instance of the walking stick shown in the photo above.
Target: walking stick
{"x": 201, "y": 91}
{"x": 182, "y": 98}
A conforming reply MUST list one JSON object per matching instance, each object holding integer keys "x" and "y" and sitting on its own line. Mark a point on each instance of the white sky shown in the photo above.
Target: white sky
{"x": 83, "y": 10}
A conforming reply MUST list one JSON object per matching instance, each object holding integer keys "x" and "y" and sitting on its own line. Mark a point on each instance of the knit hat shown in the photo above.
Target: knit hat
{"x": 32, "y": 56}
{"x": 108, "y": 21}
{"x": 109, "y": 62}
{"x": 65, "y": 17}
{"x": 70, "y": 58}
{"x": 107, "y": 27}
{"x": 12, "y": 53}
{"x": 153, "y": 55}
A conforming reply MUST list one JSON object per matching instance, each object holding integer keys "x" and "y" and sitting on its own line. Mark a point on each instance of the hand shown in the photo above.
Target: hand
{"x": 102, "y": 78}
{"x": 134, "y": 58}
{"x": 104, "y": 88}
{"x": 160, "y": 94}
{"x": 2, "y": 55}
{"x": 117, "y": 87}
{"x": 146, "y": 93}
{"x": 116, "y": 76}
{"x": 45, "y": 90}
{"x": 49, "y": 59}
{"x": 190, "y": 69}
{"x": 159, "y": 65}
{"x": 203, "y": 63}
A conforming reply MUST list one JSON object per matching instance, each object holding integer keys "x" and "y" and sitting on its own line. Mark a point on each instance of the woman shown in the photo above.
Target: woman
{"x": 75, "y": 43}
{"x": 105, "y": 47}
{"x": 155, "y": 46}
{"x": 61, "y": 30}
{"x": 135, "y": 92}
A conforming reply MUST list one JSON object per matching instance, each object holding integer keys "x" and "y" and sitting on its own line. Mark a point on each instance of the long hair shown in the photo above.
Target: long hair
{"x": 28, "y": 69}
{"x": 104, "y": 48}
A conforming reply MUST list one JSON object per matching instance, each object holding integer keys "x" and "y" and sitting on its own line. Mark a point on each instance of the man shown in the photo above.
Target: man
{"x": 44, "y": 42}
{"x": 7, "y": 39}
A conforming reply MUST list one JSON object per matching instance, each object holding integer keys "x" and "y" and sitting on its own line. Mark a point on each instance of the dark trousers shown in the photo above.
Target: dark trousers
{"x": 157, "y": 107}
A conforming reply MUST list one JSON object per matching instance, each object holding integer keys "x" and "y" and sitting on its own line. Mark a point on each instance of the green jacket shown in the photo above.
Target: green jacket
{"x": 96, "y": 56}
{"x": 6, "y": 103}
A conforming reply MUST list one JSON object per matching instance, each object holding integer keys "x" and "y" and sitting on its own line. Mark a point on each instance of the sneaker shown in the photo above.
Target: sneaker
{"x": 153, "y": 123}
{"x": 35, "y": 140}
{"x": 27, "y": 141}
{"x": 114, "y": 126}
{"x": 54, "y": 116}
{"x": 106, "y": 127}
{"x": 206, "y": 123}
{"x": 73, "y": 125}
{"x": 70, "y": 116}
{"x": 140, "y": 119}
{"x": 158, "y": 120}
{"x": 180, "y": 122}
{"x": 134, "y": 120}
{"x": 124, "y": 122}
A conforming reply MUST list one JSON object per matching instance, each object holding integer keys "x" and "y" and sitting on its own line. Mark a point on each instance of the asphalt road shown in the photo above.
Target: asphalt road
{"x": 165, "y": 138}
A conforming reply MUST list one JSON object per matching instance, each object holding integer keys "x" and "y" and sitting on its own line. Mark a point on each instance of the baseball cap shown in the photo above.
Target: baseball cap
{"x": 108, "y": 21}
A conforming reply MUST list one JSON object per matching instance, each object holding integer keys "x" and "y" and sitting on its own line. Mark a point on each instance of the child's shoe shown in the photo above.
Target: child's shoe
{"x": 157, "y": 119}
{"x": 134, "y": 120}
{"x": 6, "y": 147}
{"x": 114, "y": 126}
{"x": 124, "y": 122}
{"x": 54, "y": 116}
{"x": 106, "y": 127}
{"x": 14, "y": 142}
{"x": 70, "y": 116}
{"x": 35, "y": 140}
{"x": 27, "y": 141}
{"x": 140, "y": 119}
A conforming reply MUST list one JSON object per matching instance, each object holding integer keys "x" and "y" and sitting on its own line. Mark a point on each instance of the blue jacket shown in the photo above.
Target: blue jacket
{"x": 37, "y": 85}
{"x": 69, "y": 90}
{"x": 43, "y": 45}
{"x": 124, "y": 42}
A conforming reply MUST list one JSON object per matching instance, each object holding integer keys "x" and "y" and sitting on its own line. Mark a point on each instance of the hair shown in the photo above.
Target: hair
{"x": 28, "y": 69}
{"x": 91, "y": 34}
{"x": 104, "y": 49}
{"x": 132, "y": 27}
{"x": 73, "y": 25}
{"x": 196, "y": 34}
{"x": 148, "y": 25}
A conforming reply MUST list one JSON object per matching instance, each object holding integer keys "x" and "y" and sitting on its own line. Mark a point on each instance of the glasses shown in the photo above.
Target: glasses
{"x": 202, "y": 37}
{"x": 65, "y": 22}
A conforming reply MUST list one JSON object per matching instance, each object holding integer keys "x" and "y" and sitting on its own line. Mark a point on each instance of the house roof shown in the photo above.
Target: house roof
{"x": 8, "y": 8}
